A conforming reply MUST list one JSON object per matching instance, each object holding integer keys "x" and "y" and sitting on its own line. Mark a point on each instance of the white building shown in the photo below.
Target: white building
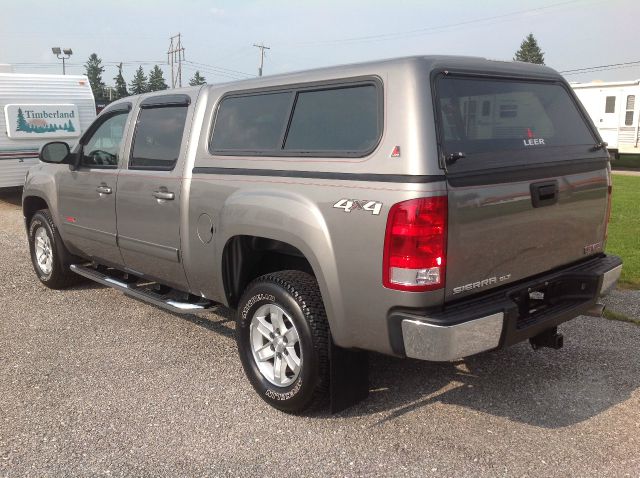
{"x": 614, "y": 110}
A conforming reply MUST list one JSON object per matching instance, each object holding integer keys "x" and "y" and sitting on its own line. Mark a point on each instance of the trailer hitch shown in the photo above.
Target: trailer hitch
{"x": 549, "y": 338}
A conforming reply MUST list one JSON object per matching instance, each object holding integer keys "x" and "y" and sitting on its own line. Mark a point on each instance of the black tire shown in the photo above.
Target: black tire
{"x": 298, "y": 295}
{"x": 60, "y": 276}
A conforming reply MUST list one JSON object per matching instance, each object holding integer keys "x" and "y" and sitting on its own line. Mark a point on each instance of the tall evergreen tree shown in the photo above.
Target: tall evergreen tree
{"x": 94, "y": 70}
{"x": 530, "y": 51}
{"x": 197, "y": 79}
{"x": 120, "y": 84}
{"x": 156, "y": 79}
{"x": 139, "y": 83}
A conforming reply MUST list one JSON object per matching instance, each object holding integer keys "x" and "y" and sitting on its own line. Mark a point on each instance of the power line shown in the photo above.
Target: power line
{"x": 213, "y": 72}
{"x": 104, "y": 63}
{"x": 219, "y": 68}
{"x": 436, "y": 29}
{"x": 612, "y": 66}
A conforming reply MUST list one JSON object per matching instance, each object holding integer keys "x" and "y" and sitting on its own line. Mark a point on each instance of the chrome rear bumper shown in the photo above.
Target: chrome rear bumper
{"x": 438, "y": 343}
{"x": 499, "y": 318}
{"x": 609, "y": 279}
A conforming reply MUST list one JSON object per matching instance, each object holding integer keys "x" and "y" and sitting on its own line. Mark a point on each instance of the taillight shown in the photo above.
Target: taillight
{"x": 415, "y": 245}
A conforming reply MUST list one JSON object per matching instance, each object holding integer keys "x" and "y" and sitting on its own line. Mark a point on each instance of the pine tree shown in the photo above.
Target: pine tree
{"x": 156, "y": 80}
{"x": 139, "y": 83}
{"x": 530, "y": 51}
{"x": 70, "y": 127}
{"x": 120, "y": 84}
{"x": 197, "y": 79}
{"x": 94, "y": 70}
{"x": 22, "y": 123}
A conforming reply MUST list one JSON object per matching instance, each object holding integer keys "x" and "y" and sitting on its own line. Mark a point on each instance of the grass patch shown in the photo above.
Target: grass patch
{"x": 624, "y": 228}
{"x": 627, "y": 161}
{"x": 611, "y": 315}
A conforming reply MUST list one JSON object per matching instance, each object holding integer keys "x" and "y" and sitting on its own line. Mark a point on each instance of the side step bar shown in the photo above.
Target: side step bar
{"x": 141, "y": 293}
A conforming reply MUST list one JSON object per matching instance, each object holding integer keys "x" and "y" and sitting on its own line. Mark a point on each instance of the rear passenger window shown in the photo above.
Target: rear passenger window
{"x": 251, "y": 123}
{"x": 342, "y": 119}
{"x": 158, "y": 136}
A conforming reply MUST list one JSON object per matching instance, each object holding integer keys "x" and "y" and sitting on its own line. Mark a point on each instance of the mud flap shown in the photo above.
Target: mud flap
{"x": 349, "y": 377}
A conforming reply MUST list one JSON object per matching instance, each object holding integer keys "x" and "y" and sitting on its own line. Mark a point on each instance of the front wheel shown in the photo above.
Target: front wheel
{"x": 49, "y": 256}
{"x": 283, "y": 340}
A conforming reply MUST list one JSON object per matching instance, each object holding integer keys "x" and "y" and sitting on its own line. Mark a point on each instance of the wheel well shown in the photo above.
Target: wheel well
{"x": 31, "y": 205}
{"x": 247, "y": 257}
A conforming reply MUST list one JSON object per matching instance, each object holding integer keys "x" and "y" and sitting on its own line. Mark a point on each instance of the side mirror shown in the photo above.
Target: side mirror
{"x": 55, "y": 152}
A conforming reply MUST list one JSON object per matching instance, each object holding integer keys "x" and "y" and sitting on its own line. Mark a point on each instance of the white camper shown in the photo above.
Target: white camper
{"x": 36, "y": 109}
{"x": 613, "y": 107}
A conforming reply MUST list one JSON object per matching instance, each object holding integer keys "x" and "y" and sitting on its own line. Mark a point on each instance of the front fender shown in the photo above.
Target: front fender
{"x": 294, "y": 219}
{"x": 40, "y": 183}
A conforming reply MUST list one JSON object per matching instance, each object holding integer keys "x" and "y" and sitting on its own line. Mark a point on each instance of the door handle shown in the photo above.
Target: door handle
{"x": 103, "y": 189}
{"x": 167, "y": 196}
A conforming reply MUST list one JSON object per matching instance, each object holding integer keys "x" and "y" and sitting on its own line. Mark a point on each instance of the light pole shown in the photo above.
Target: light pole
{"x": 67, "y": 51}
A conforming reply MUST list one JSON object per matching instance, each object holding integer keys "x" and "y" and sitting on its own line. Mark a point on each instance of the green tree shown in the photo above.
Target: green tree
{"x": 197, "y": 79}
{"x": 70, "y": 127}
{"x": 94, "y": 70}
{"x": 529, "y": 51}
{"x": 22, "y": 123}
{"x": 139, "y": 83}
{"x": 120, "y": 84}
{"x": 156, "y": 79}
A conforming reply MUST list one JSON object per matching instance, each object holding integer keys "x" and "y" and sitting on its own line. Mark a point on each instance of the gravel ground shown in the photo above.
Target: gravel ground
{"x": 626, "y": 302}
{"x": 94, "y": 383}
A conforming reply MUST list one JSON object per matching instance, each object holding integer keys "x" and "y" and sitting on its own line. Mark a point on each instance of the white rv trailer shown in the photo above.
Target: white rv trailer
{"x": 36, "y": 109}
{"x": 613, "y": 107}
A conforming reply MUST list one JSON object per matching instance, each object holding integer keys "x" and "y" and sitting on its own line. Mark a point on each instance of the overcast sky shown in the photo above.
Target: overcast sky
{"x": 305, "y": 34}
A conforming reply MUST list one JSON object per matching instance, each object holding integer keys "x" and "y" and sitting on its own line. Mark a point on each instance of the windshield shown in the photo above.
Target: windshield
{"x": 494, "y": 115}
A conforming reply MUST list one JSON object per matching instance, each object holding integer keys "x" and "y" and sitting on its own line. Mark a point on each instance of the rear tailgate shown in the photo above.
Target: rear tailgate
{"x": 527, "y": 190}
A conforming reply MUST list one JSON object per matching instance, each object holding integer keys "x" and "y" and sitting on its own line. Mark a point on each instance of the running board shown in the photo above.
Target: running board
{"x": 140, "y": 293}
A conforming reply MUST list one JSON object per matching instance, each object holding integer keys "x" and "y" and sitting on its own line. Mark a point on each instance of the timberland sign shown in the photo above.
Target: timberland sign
{"x": 42, "y": 121}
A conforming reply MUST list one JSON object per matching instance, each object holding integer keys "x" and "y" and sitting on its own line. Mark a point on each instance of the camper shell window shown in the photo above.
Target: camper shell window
{"x": 528, "y": 118}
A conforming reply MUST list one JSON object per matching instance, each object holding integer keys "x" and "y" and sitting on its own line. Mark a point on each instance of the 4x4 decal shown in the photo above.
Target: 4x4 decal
{"x": 349, "y": 205}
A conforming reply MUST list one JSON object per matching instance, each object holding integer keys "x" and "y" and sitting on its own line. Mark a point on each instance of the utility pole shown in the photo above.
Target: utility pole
{"x": 262, "y": 49}
{"x": 175, "y": 57}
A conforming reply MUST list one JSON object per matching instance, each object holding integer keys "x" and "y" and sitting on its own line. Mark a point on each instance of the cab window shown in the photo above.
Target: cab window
{"x": 158, "y": 136}
{"x": 102, "y": 150}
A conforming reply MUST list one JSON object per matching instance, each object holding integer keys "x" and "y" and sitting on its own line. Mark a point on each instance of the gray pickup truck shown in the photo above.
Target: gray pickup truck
{"x": 429, "y": 207}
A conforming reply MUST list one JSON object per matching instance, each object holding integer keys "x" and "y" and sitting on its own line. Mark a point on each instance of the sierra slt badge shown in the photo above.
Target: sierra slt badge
{"x": 481, "y": 283}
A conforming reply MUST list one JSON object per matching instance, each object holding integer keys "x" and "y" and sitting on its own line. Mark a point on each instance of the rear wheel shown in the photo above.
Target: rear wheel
{"x": 49, "y": 257}
{"x": 283, "y": 340}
